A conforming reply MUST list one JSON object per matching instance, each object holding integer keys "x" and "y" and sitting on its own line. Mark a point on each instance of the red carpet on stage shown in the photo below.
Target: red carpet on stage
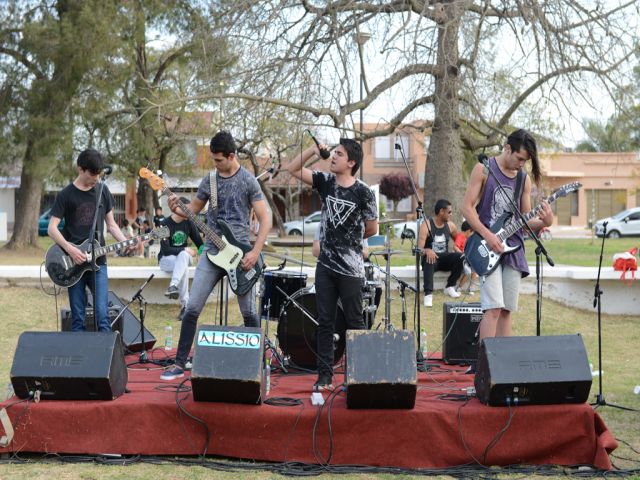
{"x": 440, "y": 432}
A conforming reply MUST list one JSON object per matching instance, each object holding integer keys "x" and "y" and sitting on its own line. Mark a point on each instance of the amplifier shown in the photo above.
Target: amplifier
{"x": 460, "y": 332}
{"x": 129, "y": 325}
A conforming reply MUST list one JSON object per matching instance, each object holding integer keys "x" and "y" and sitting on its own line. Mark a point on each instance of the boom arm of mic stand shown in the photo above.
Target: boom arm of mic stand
{"x": 300, "y": 307}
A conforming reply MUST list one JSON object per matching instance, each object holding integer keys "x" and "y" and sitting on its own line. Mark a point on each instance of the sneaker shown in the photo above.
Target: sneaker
{"x": 181, "y": 314}
{"x": 172, "y": 292}
{"x": 172, "y": 373}
{"x": 323, "y": 382}
{"x": 451, "y": 292}
{"x": 428, "y": 300}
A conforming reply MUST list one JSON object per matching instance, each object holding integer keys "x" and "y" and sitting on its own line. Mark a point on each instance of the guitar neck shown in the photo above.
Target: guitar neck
{"x": 516, "y": 225}
{"x": 99, "y": 252}
{"x": 203, "y": 227}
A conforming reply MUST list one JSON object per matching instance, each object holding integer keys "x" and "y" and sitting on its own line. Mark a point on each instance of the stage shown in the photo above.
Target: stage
{"x": 443, "y": 430}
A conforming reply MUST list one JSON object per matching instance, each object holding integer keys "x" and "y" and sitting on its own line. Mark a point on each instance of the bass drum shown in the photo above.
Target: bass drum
{"x": 297, "y": 333}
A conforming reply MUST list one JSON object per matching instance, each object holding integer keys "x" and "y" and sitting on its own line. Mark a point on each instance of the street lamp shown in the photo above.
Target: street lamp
{"x": 361, "y": 38}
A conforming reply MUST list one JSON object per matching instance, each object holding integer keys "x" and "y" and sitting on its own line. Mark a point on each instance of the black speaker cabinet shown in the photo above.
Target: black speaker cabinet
{"x": 69, "y": 365}
{"x": 460, "y": 329}
{"x": 533, "y": 370}
{"x": 131, "y": 335}
{"x": 380, "y": 369}
{"x": 227, "y": 364}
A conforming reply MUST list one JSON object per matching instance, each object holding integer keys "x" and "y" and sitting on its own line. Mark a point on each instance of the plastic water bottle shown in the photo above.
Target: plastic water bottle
{"x": 423, "y": 343}
{"x": 168, "y": 337}
{"x": 636, "y": 390}
{"x": 267, "y": 376}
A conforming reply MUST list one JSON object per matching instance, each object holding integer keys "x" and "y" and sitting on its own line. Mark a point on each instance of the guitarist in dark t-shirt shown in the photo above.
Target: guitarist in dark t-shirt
{"x": 76, "y": 205}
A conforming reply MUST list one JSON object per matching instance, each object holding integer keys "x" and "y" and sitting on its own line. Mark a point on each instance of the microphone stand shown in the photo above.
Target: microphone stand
{"x": 600, "y": 400}
{"x": 540, "y": 250}
{"x": 137, "y": 296}
{"x": 92, "y": 249}
{"x": 417, "y": 252}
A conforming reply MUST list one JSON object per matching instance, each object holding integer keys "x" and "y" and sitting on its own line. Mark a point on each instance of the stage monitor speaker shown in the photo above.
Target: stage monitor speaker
{"x": 227, "y": 364}
{"x": 533, "y": 370}
{"x": 380, "y": 370}
{"x": 130, "y": 324}
{"x": 69, "y": 365}
{"x": 460, "y": 330}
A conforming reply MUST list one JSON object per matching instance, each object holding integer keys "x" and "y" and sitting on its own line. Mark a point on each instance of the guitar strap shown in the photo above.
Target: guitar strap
{"x": 518, "y": 191}
{"x": 213, "y": 191}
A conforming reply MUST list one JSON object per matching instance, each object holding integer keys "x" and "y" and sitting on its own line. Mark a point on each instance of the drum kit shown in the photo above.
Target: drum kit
{"x": 286, "y": 298}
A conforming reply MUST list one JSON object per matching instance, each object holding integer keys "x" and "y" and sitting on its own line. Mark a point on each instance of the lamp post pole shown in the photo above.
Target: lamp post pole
{"x": 361, "y": 38}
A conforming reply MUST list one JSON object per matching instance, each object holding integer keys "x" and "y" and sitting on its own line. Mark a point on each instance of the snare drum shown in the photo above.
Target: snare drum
{"x": 272, "y": 299}
{"x": 297, "y": 333}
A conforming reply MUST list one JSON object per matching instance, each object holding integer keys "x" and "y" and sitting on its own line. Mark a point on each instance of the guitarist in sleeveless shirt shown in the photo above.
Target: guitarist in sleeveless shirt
{"x": 434, "y": 235}
{"x": 76, "y": 205}
{"x": 237, "y": 192}
{"x": 482, "y": 205}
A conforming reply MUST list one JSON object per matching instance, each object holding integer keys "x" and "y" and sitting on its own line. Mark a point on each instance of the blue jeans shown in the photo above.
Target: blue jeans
{"x": 78, "y": 300}
{"x": 204, "y": 281}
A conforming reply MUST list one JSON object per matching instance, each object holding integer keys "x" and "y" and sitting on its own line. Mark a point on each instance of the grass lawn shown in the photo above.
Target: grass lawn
{"x": 32, "y": 309}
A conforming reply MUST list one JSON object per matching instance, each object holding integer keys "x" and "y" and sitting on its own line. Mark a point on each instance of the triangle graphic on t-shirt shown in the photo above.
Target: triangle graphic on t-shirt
{"x": 339, "y": 210}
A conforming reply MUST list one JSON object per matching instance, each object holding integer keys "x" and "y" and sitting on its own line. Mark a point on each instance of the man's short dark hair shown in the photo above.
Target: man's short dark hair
{"x": 465, "y": 226}
{"x": 223, "y": 142}
{"x": 440, "y": 204}
{"x": 354, "y": 152}
{"x": 523, "y": 139}
{"x": 91, "y": 160}
{"x": 141, "y": 209}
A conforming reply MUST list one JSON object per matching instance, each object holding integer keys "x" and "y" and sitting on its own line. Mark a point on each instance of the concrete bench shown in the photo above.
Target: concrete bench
{"x": 572, "y": 286}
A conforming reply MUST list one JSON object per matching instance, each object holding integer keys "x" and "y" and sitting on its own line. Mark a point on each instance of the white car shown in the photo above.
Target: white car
{"x": 625, "y": 223}
{"x": 411, "y": 230}
{"x": 310, "y": 224}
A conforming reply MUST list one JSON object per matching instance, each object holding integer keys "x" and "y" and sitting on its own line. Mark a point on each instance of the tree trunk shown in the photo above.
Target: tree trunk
{"x": 443, "y": 172}
{"x": 25, "y": 230}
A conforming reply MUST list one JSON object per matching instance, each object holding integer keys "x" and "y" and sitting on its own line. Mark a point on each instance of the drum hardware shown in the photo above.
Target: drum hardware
{"x": 279, "y": 256}
{"x": 274, "y": 351}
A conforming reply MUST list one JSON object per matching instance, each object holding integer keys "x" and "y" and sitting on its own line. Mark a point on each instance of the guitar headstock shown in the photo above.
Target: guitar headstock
{"x": 155, "y": 181}
{"x": 160, "y": 232}
{"x": 566, "y": 189}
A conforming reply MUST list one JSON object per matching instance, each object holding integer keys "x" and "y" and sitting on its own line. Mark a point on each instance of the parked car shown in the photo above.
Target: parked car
{"x": 625, "y": 223}
{"x": 43, "y": 223}
{"x": 310, "y": 224}
{"x": 410, "y": 232}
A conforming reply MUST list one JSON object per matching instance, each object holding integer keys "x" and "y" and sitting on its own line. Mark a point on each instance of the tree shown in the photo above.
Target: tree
{"x": 46, "y": 50}
{"x": 437, "y": 60}
{"x": 396, "y": 187}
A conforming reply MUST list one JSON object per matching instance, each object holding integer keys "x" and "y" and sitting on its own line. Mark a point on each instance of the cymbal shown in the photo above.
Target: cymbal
{"x": 287, "y": 258}
{"x": 390, "y": 220}
{"x": 385, "y": 252}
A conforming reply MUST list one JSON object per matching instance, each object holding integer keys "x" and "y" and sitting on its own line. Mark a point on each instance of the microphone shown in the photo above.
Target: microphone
{"x": 483, "y": 159}
{"x": 107, "y": 170}
{"x": 324, "y": 153}
{"x": 403, "y": 234}
{"x": 397, "y": 145}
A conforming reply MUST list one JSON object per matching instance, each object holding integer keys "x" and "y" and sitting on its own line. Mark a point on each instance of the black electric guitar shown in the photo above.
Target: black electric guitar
{"x": 481, "y": 258}
{"x": 230, "y": 250}
{"x": 65, "y": 273}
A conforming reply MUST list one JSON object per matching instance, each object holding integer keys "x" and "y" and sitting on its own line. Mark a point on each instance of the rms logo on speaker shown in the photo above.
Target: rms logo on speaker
{"x": 61, "y": 360}
{"x": 217, "y": 338}
{"x": 539, "y": 364}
